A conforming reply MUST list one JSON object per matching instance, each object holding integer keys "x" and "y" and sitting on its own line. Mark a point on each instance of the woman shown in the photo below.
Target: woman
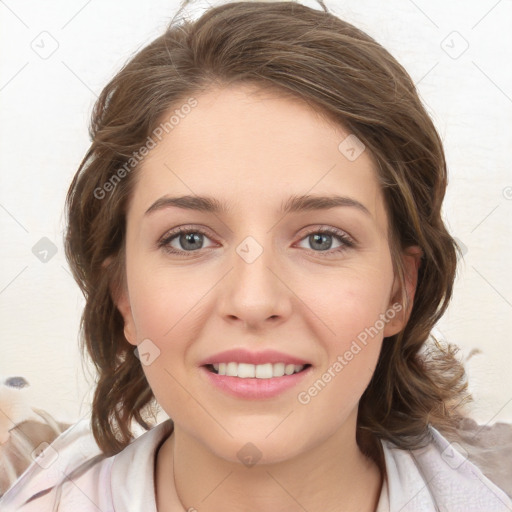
{"x": 257, "y": 231}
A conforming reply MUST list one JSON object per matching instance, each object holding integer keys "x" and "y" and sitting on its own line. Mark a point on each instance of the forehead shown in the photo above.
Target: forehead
{"x": 255, "y": 148}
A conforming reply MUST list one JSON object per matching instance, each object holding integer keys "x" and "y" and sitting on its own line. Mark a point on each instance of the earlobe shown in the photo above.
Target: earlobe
{"x": 412, "y": 260}
{"x": 124, "y": 307}
{"x": 121, "y": 299}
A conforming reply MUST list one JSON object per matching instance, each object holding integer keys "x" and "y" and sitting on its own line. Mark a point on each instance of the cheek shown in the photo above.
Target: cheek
{"x": 348, "y": 303}
{"x": 165, "y": 315}
{"x": 351, "y": 352}
{"x": 355, "y": 310}
{"x": 164, "y": 302}
{"x": 164, "y": 329}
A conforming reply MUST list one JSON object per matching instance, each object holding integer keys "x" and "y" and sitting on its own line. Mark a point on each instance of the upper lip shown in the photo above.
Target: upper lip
{"x": 250, "y": 357}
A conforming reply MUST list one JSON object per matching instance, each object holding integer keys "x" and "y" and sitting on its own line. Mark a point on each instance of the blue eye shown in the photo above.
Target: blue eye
{"x": 322, "y": 239}
{"x": 191, "y": 240}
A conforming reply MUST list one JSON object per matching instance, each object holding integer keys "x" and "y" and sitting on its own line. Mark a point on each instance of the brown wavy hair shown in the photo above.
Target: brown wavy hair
{"x": 348, "y": 78}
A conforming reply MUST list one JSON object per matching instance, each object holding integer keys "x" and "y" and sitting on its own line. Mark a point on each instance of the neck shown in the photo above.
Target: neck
{"x": 333, "y": 476}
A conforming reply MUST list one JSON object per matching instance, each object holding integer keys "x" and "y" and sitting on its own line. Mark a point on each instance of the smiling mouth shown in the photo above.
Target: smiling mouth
{"x": 258, "y": 371}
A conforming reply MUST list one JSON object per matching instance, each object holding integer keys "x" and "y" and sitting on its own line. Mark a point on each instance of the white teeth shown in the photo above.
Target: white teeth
{"x": 232, "y": 370}
{"x": 246, "y": 370}
{"x": 259, "y": 371}
{"x": 264, "y": 371}
{"x": 278, "y": 369}
{"x": 289, "y": 369}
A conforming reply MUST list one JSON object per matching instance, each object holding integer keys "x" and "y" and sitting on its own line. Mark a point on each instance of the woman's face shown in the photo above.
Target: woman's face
{"x": 256, "y": 277}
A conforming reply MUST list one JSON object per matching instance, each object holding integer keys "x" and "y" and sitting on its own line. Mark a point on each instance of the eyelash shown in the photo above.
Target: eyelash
{"x": 347, "y": 242}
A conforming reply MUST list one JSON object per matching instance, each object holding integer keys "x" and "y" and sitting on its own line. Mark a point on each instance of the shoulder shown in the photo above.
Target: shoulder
{"x": 73, "y": 473}
{"x": 439, "y": 476}
{"x": 73, "y": 450}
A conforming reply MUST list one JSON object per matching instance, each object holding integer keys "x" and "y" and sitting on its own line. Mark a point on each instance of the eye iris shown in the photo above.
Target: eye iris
{"x": 318, "y": 237}
{"x": 191, "y": 238}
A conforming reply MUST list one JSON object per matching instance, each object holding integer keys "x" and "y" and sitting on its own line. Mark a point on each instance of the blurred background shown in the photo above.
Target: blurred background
{"x": 58, "y": 55}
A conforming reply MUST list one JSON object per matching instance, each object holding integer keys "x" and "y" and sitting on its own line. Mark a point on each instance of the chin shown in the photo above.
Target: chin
{"x": 256, "y": 446}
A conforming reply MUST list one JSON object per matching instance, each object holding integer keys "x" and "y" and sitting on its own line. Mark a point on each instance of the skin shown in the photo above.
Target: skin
{"x": 254, "y": 150}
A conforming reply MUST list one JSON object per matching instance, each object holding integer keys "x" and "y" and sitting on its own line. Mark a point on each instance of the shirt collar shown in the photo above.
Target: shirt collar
{"x": 436, "y": 477}
{"x": 133, "y": 469}
{"x": 439, "y": 477}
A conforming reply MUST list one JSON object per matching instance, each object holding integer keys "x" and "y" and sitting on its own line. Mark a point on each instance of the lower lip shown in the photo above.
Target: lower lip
{"x": 254, "y": 389}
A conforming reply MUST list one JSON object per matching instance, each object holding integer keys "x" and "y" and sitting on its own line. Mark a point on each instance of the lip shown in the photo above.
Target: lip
{"x": 254, "y": 389}
{"x": 246, "y": 356}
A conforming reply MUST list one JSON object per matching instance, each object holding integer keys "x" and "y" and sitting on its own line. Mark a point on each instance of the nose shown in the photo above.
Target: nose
{"x": 254, "y": 293}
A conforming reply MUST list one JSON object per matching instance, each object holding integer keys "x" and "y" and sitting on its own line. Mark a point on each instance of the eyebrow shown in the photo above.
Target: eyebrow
{"x": 291, "y": 205}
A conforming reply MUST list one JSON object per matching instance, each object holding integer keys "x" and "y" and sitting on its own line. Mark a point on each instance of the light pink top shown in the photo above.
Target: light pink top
{"x": 431, "y": 479}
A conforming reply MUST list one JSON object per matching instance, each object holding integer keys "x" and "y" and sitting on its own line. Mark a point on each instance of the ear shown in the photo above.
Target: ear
{"x": 412, "y": 260}
{"x": 124, "y": 307}
{"x": 121, "y": 299}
